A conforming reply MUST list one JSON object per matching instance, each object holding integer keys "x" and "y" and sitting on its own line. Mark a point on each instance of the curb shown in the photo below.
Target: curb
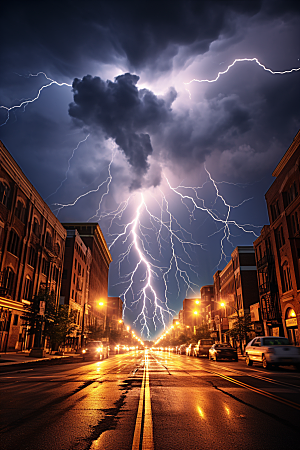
{"x": 38, "y": 363}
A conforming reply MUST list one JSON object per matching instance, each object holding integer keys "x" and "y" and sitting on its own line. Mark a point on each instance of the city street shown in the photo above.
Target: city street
{"x": 156, "y": 400}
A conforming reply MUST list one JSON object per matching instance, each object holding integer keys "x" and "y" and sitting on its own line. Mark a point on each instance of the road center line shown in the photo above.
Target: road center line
{"x": 260, "y": 391}
{"x": 143, "y": 432}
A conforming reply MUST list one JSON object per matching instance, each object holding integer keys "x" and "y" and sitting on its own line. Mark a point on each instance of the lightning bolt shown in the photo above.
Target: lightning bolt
{"x": 194, "y": 203}
{"x": 25, "y": 102}
{"x": 153, "y": 243}
{"x": 107, "y": 181}
{"x": 69, "y": 166}
{"x": 241, "y": 60}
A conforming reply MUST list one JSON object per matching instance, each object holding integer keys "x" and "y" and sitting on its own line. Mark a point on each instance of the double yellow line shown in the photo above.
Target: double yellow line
{"x": 143, "y": 432}
{"x": 260, "y": 391}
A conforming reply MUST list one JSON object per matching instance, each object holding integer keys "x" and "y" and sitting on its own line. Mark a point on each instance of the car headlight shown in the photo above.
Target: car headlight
{"x": 99, "y": 349}
{"x": 83, "y": 351}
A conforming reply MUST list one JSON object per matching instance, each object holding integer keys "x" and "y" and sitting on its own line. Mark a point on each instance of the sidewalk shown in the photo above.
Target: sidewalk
{"x": 16, "y": 360}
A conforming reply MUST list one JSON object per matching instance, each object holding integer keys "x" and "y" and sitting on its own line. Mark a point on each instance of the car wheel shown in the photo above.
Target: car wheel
{"x": 216, "y": 358}
{"x": 248, "y": 361}
{"x": 265, "y": 363}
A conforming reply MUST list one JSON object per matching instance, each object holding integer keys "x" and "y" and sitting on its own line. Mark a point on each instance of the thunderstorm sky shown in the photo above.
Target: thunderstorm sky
{"x": 174, "y": 170}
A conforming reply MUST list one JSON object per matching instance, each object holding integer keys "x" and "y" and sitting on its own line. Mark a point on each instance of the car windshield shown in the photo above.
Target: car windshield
{"x": 94, "y": 344}
{"x": 275, "y": 341}
{"x": 223, "y": 346}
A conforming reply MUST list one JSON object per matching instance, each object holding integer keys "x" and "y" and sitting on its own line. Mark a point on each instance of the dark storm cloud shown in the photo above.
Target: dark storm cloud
{"x": 62, "y": 36}
{"x": 123, "y": 112}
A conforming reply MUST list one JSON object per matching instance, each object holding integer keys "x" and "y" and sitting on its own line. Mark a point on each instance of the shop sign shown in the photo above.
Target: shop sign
{"x": 225, "y": 323}
{"x": 42, "y": 307}
{"x": 275, "y": 331}
{"x": 291, "y": 322}
{"x": 254, "y": 311}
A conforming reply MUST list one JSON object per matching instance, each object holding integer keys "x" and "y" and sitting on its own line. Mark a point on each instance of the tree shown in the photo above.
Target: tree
{"x": 55, "y": 322}
{"x": 203, "y": 332}
{"x": 62, "y": 326}
{"x": 37, "y": 317}
{"x": 241, "y": 327}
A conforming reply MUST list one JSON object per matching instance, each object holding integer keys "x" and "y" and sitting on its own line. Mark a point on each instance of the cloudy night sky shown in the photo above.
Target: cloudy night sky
{"x": 173, "y": 170}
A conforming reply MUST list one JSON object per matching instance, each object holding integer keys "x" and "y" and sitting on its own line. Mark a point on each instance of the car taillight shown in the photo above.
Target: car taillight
{"x": 271, "y": 350}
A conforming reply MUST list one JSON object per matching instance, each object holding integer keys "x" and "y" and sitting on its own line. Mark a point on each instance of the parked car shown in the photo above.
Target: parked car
{"x": 222, "y": 351}
{"x": 182, "y": 349}
{"x": 190, "y": 350}
{"x": 272, "y": 350}
{"x": 202, "y": 348}
{"x": 95, "y": 350}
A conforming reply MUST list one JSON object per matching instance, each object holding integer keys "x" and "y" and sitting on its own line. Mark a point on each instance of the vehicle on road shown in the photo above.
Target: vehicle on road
{"x": 272, "y": 351}
{"x": 95, "y": 350}
{"x": 222, "y": 351}
{"x": 190, "y": 350}
{"x": 202, "y": 347}
{"x": 181, "y": 350}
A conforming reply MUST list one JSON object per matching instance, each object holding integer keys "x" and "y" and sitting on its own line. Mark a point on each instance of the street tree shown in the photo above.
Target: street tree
{"x": 47, "y": 319}
{"x": 241, "y": 328}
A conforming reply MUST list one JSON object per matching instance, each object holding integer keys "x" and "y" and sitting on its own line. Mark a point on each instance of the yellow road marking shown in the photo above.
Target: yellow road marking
{"x": 144, "y": 412}
{"x": 259, "y": 391}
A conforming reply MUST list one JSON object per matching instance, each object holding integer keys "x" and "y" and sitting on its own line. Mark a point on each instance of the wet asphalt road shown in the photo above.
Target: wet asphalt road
{"x": 150, "y": 401}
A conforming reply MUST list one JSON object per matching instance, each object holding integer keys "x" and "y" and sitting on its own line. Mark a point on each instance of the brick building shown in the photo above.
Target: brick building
{"x": 75, "y": 283}
{"x": 236, "y": 287}
{"x": 114, "y": 314}
{"x": 32, "y": 243}
{"x": 278, "y": 249}
{"x": 92, "y": 236}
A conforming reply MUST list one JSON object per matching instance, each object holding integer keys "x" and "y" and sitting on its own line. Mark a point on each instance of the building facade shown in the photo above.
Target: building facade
{"x": 32, "y": 243}
{"x": 235, "y": 287}
{"x": 75, "y": 284}
{"x": 92, "y": 236}
{"x": 114, "y": 314}
{"x": 279, "y": 247}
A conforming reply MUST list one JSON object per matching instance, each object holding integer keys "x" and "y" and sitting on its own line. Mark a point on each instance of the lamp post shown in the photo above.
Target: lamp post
{"x": 239, "y": 324}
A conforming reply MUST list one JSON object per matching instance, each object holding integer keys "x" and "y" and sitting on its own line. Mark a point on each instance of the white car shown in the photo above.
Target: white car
{"x": 272, "y": 350}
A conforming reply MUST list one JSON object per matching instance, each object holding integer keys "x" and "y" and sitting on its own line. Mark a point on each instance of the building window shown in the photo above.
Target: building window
{"x": 286, "y": 275}
{"x": 13, "y": 243}
{"x": 32, "y": 257}
{"x": 275, "y": 211}
{"x": 295, "y": 223}
{"x": 290, "y": 194}
{"x": 45, "y": 267}
{"x": 72, "y": 296}
{"x": 8, "y": 281}
{"x": 15, "y": 321}
{"x": 48, "y": 240}
{"x": 27, "y": 289}
{"x": 75, "y": 263}
{"x": 4, "y": 193}
{"x": 20, "y": 211}
{"x": 36, "y": 227}
{"x": 280, "y": 237}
